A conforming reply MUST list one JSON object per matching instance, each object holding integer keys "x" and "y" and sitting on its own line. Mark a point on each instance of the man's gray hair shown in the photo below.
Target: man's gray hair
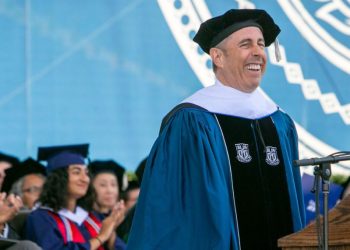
{"x": 17, "y": 187}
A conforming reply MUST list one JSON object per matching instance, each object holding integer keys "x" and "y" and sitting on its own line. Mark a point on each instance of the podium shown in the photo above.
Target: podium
{"x": 339, "y": 231}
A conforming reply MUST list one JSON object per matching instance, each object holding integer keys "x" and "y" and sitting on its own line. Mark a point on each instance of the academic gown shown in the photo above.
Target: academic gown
{"x": 42, "y": 229}
{"x": 187, "y": 198}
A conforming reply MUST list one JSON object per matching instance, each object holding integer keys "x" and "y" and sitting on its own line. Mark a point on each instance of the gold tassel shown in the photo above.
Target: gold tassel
{"x": 277, "y": 50}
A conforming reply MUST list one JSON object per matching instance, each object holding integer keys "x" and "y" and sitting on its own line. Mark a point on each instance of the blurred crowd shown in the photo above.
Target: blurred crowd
{"x": 63, "y": 200}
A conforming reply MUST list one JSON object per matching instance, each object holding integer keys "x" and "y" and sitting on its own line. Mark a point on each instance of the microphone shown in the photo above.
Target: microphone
{"x": 318, "y": 161}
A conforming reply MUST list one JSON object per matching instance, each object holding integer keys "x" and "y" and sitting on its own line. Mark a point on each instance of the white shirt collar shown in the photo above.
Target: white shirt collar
{"x": 79, "y": 216}
{"x": 222, "y": 99}
{"x": 5, "y": 232}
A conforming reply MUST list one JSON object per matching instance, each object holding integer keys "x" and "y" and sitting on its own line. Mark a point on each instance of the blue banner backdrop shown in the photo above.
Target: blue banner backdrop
{"x": 106, "y": 72}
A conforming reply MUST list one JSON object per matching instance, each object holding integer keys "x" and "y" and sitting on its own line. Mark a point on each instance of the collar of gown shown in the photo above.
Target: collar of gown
{"x": 79, "y": 216}
{"x": 225, "y": 100}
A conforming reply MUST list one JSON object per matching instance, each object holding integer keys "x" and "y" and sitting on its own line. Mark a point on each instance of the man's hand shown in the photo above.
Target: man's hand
{"x": 9, "y": 207}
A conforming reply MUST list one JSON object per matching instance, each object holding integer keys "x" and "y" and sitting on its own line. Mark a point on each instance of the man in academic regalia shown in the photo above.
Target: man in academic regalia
{"x": 26, "y": 180}
{"x": 220, "y": 174}
{"x": 9, "y": 208}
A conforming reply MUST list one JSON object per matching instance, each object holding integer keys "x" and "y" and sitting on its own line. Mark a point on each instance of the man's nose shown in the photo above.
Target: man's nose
{"x": 257, "y": 50}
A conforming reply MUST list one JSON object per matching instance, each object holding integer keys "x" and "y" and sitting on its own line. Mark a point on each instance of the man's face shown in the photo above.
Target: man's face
{"x": 243, "y": 59}
{"x": 31, "y": 189}
{"x": 132, "y": 195}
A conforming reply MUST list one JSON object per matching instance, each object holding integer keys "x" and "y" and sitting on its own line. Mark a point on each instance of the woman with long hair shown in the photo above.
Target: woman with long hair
{"x": 106, "y": 176}
{"x": 64, "y": 219}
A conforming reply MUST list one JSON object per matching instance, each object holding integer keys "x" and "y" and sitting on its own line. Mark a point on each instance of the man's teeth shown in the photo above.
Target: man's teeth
{"x": 254, "y": 67}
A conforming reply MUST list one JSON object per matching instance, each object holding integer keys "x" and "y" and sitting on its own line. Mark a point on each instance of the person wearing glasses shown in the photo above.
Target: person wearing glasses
{"x": 28, "y": 179}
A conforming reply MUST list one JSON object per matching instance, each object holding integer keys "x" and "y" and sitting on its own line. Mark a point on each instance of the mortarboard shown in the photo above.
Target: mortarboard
{"x": 26, "y": 167}
{"x": 216, "y": 29}
{"x": 133, "y": 184}
{"x": 9, "y": 158}
{"x": 63, "y": 156}
{"x": 140, "y": 170}
{"x": 103, "y": 166}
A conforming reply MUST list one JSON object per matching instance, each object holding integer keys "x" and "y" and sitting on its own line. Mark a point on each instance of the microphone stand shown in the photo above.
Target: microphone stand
{"x": 323, "y": 170}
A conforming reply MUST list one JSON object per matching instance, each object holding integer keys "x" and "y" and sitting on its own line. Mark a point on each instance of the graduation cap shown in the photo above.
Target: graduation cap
{"x": 12, "y": 161}
{"x": 109, "y": 166}
{"x": 133, "y": 184}
{"x": 63, "y": 156}
{"x": 9, "y": 158}
{"x": 214, "y": 30}
{"x": 140, "y": 170}
{"x": 26, "y": 167}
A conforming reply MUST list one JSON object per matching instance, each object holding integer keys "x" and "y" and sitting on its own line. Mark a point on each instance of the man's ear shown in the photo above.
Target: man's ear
{"x": 216, "y": 55}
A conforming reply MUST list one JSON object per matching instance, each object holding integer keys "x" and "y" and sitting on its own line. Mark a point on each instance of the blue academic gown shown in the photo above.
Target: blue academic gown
{"x": 186, "y": 200}
{"x": 42, "y": 229}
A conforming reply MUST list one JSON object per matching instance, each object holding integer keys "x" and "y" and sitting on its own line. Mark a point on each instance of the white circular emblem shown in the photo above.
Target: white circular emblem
{"x": 334, "y": 13}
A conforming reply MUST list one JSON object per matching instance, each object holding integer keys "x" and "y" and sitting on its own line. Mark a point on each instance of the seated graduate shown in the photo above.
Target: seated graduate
{"x": 26, "y": 180}
{"x": 131, "y": 194}
{"x": 106, "y": 176}
{"x": 63, "y": 220}
{"x": 10, "y": 205}
{"x": 9, "y": 238}
{"x": 130, "y": 197}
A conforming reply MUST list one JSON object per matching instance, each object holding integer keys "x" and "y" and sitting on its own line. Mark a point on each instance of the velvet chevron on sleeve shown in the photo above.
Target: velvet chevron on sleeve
{"x": 186, "y": 194}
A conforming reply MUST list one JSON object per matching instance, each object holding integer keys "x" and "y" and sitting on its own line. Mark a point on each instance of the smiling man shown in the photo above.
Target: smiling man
{"x": 220, "y": 174}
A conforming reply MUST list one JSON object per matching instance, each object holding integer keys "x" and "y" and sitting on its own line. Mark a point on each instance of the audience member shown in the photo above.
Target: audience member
{"x": 9, "y": 238}
{"x": 26, "y": 181}
{"x": 106, "y": 190}
{"x": 9, "y": 207}
{"x": 131, "y": 194}
{"x": 124, "y": 228}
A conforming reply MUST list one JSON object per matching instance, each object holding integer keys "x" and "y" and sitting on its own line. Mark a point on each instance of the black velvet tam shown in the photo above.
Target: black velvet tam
{"x": 26, "y": 167}
{"x": 108, "y": 166}
{"x": 216, "y": 29}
